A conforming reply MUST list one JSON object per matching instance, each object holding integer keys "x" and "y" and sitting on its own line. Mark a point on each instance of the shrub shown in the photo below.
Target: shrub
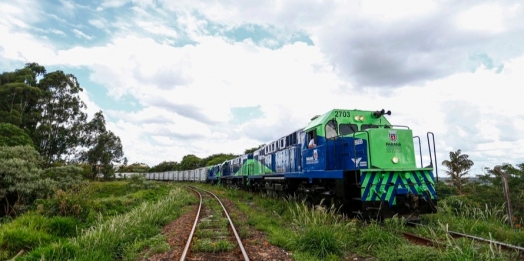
{"x": 66, "y": 177}
{"x": 20, "y": 180}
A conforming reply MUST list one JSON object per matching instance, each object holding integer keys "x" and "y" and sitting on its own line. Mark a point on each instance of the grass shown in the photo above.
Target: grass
{"x": 320, "y": 233}
{"x": 212, "y": 245}
{"x": 112, "y": 239}
{"x": 52, "y": 230}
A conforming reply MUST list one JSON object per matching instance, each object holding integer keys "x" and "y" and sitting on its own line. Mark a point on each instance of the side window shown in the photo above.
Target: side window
{"x": 346, "y": 129}
{"x": 331, "y": 129}
{"x": 312, "y": 139}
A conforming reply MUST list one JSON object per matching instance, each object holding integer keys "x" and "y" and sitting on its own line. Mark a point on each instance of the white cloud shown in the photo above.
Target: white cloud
{"x": 80, "y": 34}
{"x": 484, "y": 17}
{"x": 185, "y": 93}
{"x": 98, "y": 23}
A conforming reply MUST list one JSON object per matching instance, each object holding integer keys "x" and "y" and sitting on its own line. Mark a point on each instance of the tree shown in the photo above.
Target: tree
{"x": 458, "y": 166}
{"x": 19, "y": 96}
{"x": 216, "y": 159}
{"x": 58, "y": 130}
{"x": 165, "y": 166}
{"x": 10, "y": 135}
{"x": 190, "y": 162}
{"x": 247, "y": 151}
{"x": 136, "y": 167}
{"x": 103, "y": 147}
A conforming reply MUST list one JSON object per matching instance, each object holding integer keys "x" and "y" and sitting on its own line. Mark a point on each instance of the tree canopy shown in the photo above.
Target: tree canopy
{"x": 458, "y": 167}
{"x": 44, "y": 109}
{"x": 11, "y": 135}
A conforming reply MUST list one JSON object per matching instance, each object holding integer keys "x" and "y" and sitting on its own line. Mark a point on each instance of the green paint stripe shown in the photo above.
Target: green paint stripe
{"x": 370, "y": 183}
{"x": 366, "y": 179}
{"x": 392, "y": 187}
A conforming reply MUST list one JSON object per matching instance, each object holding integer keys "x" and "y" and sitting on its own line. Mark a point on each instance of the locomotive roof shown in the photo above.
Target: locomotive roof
{"x": 322, "y": 119}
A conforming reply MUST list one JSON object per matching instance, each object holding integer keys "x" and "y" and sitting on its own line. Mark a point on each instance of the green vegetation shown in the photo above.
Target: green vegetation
{"x": 320, "y": 233}
{"x": 96, "y": 221}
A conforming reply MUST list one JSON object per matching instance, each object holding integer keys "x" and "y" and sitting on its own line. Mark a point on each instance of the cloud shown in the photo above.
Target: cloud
{"x": 193, "y": 80}
{"x": 80, "y": 34}
{"x": 412, "y": 50}
{"x": 98, "y": 23}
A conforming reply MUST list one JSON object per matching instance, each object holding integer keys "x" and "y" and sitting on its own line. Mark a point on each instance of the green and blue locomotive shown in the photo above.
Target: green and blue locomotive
{"x": 354, "y": 158}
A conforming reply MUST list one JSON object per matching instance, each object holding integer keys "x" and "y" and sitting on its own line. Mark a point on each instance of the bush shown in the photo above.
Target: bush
{"x": 66, "y": 177}
{"x": 20, "y": 180}
{"x": 138, "y": 181}
{"x": 74, "y": 202}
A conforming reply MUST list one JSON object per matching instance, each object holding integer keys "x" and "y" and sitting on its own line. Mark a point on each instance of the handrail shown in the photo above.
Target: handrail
{"x": 434, "y": 152}
{"x": 420, "y": 150}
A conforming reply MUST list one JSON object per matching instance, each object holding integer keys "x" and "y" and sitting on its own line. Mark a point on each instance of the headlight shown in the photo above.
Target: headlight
{"x": 395, "y": 160}
{"x": 361, "y": 118}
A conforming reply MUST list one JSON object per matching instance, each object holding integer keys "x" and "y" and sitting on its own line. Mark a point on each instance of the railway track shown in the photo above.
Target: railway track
{"x": 429, "y": 242}
{"x": 213, "y": 232}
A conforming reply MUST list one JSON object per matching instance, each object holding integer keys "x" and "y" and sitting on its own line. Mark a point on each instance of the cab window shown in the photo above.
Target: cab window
{"x": 346, "y": 129}
{"x": 331, "y": 129}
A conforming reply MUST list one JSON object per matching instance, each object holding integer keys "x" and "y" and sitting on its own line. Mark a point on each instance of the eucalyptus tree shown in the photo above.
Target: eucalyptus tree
{"x": 102, "y": 148}
{"x": 458, "y": 167}
{"x": 62, "y": 117}
{"x": 19, "y": 95}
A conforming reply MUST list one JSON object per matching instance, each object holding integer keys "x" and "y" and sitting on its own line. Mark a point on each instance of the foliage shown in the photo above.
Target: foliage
{"x": 19, "y": 95}
{"x": 318, "y": 230}
{"x": 74, "y": 202}
{"x": 20, "y": 182}
{"x": 10, "y": 135}
{"x": 444, "y": 190}
{"x": 165, "y": 166}
{"x": 59, "y": 127}
{"x": 138, "y": 181}
{"x": 216, "y": 159}
{"x": 247, "y": 151}
{"x": 47, "y": 107}
{"x": 189, "y": 162}
{"x": 103, "y": 148}
{"x": 458, "y": 166}
{"x": 136, "y": 167}
{"x": 490, "y": 190}
{"x": 67, "y": 177}
{"x": 114, "y": 238}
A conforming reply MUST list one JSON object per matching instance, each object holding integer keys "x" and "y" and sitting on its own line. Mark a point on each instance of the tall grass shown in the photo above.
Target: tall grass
{"x": 320, "y": 231}
{"x": 110, "y": 239}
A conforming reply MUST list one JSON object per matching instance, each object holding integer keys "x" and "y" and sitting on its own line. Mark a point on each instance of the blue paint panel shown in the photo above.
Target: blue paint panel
{"x": 343, "y": 154}
{"x": 314, "y": 159}
{"x": 330, "y": 174}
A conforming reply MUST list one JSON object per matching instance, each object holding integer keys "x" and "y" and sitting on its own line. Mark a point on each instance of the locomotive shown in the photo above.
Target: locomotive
{"x": 353, "y": 158}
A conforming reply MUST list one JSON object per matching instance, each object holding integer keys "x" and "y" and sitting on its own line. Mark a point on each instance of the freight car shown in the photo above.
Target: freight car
{"x": 353, "y": 158}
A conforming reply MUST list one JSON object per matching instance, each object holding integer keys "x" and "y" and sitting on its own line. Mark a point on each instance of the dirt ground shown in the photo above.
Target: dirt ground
{"x": 256, "y": 245}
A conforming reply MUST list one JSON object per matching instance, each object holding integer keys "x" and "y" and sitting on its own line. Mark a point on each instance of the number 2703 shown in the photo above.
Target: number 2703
{"x": 341, "y": 113}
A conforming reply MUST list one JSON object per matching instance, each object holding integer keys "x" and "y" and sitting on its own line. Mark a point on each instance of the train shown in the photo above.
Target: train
{"x": 355, "y": 159}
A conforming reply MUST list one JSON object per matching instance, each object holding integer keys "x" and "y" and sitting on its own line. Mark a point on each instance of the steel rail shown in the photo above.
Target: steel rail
{"x": 190, "y": 239}
{"x": 244, "y": 253}
{"x": 501, "y": 244}
{"x": 420, "y": 240}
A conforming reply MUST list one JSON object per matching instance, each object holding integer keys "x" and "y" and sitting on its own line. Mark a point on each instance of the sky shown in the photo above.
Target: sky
{"x": 219, "y": 76}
